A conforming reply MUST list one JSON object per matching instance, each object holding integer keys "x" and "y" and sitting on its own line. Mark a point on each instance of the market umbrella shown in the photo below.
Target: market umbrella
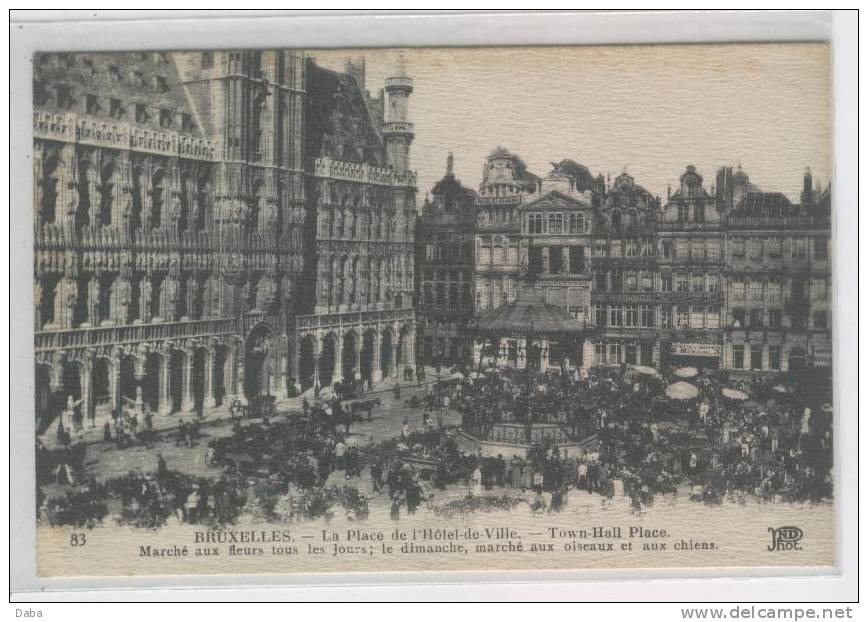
{"x": 686, "y": 372}
{"x": 734, "y": 394}
{"x": 457, "y": 376}
{"x": 779, "y": 388}
{"x": 681, "y": 391}
{"x": 327, "y": 393}
{"x": 474, "y": 374}
{"x": 645, "y": 370}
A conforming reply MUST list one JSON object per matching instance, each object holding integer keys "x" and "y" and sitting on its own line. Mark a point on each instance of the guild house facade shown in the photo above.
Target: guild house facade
{"x": 214, "y": 225}
{"x": 721, "y": 276}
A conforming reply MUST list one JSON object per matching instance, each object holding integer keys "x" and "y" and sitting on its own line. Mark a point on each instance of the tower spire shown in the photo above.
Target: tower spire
{"x": 449, "y": 164}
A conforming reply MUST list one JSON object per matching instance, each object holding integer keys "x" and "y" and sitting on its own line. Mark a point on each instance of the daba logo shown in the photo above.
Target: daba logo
{"x": 785, "y": 539}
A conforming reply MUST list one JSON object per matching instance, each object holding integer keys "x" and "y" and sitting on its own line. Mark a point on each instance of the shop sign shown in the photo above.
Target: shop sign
{"x": 683, "y": 348}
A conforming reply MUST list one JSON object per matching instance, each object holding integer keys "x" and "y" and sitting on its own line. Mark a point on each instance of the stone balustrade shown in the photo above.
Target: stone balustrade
{"x": 99, "y": 132}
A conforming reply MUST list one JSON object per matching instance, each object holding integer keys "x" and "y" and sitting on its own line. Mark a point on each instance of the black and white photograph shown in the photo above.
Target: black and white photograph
{"x": 302, "y": 310}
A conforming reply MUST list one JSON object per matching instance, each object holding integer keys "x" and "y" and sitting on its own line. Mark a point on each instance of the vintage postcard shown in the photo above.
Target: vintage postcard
{"x": 388, "y": 310}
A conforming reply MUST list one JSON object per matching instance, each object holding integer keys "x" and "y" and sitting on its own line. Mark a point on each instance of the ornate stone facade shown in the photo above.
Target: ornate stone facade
{"x": 444, "y": 270}
{"x": 176, "y": 215}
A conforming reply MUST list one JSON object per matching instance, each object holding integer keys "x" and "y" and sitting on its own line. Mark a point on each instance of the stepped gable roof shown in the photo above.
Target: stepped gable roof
{"x": 149, "y": 78}
{"x": 528, "y": 314}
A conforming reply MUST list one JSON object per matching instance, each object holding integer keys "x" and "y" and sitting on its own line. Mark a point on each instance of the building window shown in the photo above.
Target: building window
{"x": 207, "y": 60}
{"x": 821, "y": 248}
{"x": 754, "y": 249}
{"x": 667, "y": 249}
{"x": 615, "y": 249}
{"x": 682, "y": 284}
{"x": 756, "y": 291}
{"x": 141, "y": 113}
{"x": 632, "y": 316}
{"x": 738, "y": 318}
{"x": 700, "y": 212}
{"x": 773, "y": 292}
{"x": 556, "y": 259}
{"x": 648, "y": 282}
{"x": 666, "y": 283}
{"x": 632, "y": 248}
{"x": 818, "y": 289}
{"x": 683, "y": 212}
{"x": 712, "y": 317}
{"x": 799, "y": 246}
{"x": 186, "y": 122}
{"x": 774, "y": 319}
{"x": 775, "y": 357}
{"x": 682, "y": 316}
{"x": 773, "y": 248}
{"x": 92, "y": 104}
{"x": 600, "y": 313}
{"x": 713, "y": 283}
{"x": 616, "y": 316}
{"x": 631, "y": 282}
{"x": 712, "y": 249}
{"x": 165, "y": 118}
{"x": 738, "y": 291}
{"x": 666, "y": 317}
{"x": 756, "y": 356}
{"x": 535, "y": 260}
{"x": 819, "y": 319}
{"x": 647, "y": 313}
{"x": 577, "y": 259}
{"x": 697, "y": 249}
{"x": 697, "y": 284}
{"x": 738, "y": 357}
{"x": 161, "y": 84}
{"x": 756, "y": 318}
{"x": 738, "y": 249}
{"x": 115, "y": 73}
{"x": 115, "y": 109}
{"x": 64, "y": 97}
{"x": 601, "y": 282}
{"x": 556, "y": 223}
{"x": 697, "y": 316}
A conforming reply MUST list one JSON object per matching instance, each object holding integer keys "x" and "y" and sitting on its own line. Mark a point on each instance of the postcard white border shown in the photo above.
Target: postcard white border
{"x": 130, "y": 30}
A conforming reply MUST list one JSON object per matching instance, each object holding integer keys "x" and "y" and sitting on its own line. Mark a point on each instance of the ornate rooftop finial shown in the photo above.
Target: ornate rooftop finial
{"x": 449, "y": 164}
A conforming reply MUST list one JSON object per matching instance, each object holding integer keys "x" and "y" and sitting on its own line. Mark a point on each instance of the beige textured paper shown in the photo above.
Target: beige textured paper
{"x": 644, "y": 111}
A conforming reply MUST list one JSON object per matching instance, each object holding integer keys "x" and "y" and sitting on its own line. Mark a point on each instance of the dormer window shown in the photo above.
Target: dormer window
{"x": 115, "y": 73}
{"x": 138, "y": 79}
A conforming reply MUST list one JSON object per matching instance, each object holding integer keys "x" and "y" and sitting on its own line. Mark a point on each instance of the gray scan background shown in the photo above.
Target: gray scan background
{"x": 132, "y": 30}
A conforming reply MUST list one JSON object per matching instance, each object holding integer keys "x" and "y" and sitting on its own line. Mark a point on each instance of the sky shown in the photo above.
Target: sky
{"x": 649, "y": 110}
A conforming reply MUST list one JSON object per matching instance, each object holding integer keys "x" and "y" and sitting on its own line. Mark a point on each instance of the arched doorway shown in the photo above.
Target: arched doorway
{"x": 218, "y": 386}
{"x": 369, "y": 342}
{"x": 797, "y": 359}
{"x": 198, "y": 378}
{"x": 386, "y": 353}
{"x": 176, "y": 379}
{"x": 306, "y": 363}
{"x": 327, "y": 360}
{"x": 257, "y": 352}
{"x": 127, "y": 387}
{"x": 102, "y": 398}
{"x": 46, "y": 403}
{"x": 151, "y": 383}
{"x": 348, "y": 364}
{"x": 71, "y": 380}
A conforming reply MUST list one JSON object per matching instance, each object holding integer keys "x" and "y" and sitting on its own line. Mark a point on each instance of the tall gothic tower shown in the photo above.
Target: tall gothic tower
{"x": 397, "y": 129}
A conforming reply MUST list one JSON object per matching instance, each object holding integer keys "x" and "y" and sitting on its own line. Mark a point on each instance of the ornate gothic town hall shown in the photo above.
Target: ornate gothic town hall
{"x": 217, "y": 224}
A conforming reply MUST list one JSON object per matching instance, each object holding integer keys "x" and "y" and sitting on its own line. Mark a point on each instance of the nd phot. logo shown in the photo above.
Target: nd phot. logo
{"x": 785, "y": 539}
